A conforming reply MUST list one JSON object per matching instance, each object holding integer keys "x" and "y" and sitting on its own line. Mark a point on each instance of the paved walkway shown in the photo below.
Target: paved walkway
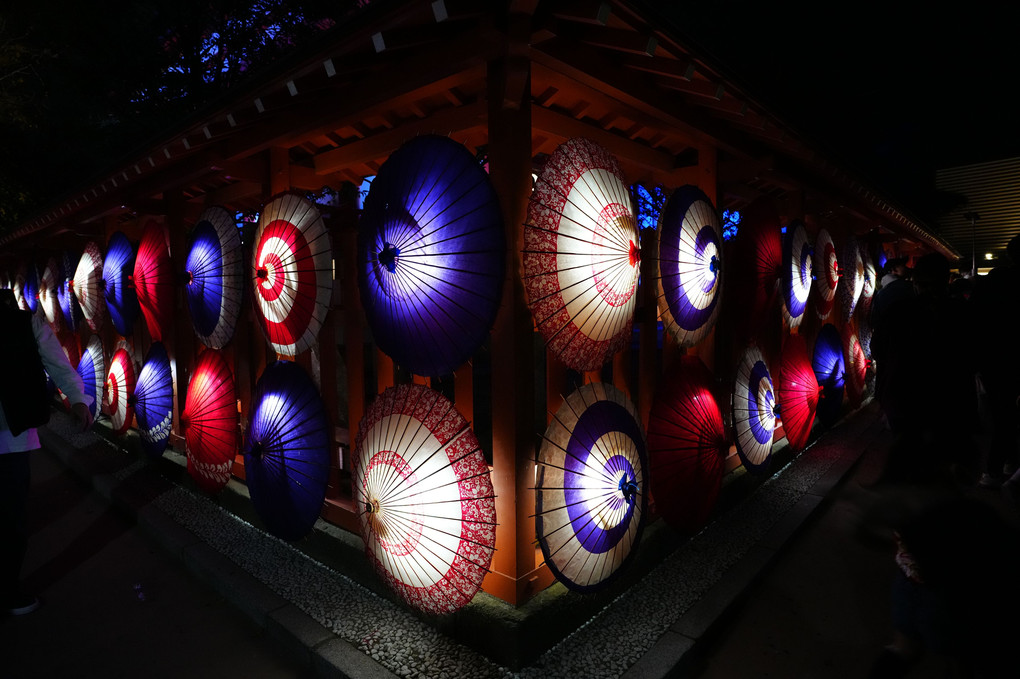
{"x": 792, "y": 582}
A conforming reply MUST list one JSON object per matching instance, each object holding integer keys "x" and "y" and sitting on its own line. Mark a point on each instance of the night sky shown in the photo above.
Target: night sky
{"x": 893, "y": 94}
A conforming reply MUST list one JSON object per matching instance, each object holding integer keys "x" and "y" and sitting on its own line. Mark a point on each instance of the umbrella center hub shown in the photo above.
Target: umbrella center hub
{"x": 629, "y": 488}
{"x": 388, "y": 257}
{"x": 714, "y": 265}
{"x": 635, "y": 254}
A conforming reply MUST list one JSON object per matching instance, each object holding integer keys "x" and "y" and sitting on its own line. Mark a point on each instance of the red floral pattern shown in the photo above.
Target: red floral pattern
{"x": 477, "y": 539}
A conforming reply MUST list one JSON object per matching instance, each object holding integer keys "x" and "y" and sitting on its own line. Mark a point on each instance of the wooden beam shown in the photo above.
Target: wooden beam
{"x": 567, "y": 127}
{"x": 382, "y": 144}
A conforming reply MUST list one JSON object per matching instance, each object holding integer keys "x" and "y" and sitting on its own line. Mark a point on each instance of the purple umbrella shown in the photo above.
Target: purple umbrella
{"x": 590, "y": 487}
{"x": 690, "y": 237}
{"x": 830, "y": 371}
{"x": 287, "y": 450}
{"x": 153, "y": 400}
{"x": 119, "y": 290}
{"x": 68, "y": 302}
{"x": 26, "y": 287}
{"x": 92, "y": 368}
{"x": 215, "y": 277}
{"x": 797, "y": 272}
{"x": 431, "y": 249}
{"x": 754, "y": 411}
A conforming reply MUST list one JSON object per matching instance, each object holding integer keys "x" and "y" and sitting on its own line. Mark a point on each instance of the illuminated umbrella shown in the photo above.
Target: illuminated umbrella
{"x": 797, "y": 272}
{"x": 690, "y": 238}
{"x": 215, "y": 277}
{"x": 65, "y": 293}
{"x": 121, "y": 299}
{"x": 48, "y": 299}
{"x": 581, "y": 255}
{"x": 154, "y": 400}
{"x": 755, "y": 267}
{"x": 754, "y": 411}
{"x": 432, "y": 252}
{"x": 827, "y": 361}
{"x": 852, "y": 269}
{"x": 210, "y": 421}
{"x": 425, "y": 502}
{"x": 120, "y": 387}
{"x": 154, "y": 279}
{"x": 826, "y": 272}
{"x": 293, "y": 273}
{"x": 870, "y": 283}
{"x": 88, "y": 286}
{"x": 797, "y": 391}
{"x": 687, "y": 446}
{"x": 26, "y": 287}
{"x": 856, "y": 367}
{"x": 92, "y": 368}
{"x": 590, "y": 488}
{"x": 287, "y": 449}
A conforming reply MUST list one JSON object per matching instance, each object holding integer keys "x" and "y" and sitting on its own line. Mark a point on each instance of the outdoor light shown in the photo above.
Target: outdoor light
{"x": 579, "y": 274}
{"x": 989, "y": 256}
{"x": 591, "y": 495}
{"x": 216, "y": 277}
{"x": 431, "y": 256}
{"x": 425, "y": 502}
{"x": 690, "y": 237}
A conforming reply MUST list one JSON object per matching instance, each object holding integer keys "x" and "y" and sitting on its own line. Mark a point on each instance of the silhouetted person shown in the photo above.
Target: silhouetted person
{"x": 894, "y": 288}
{"x": 924, "y": 351}
{"x": 29, "y": 345}
{"x": 996, "y": 302}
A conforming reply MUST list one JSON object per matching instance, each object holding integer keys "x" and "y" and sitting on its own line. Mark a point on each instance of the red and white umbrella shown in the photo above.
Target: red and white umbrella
{"x": 856, "y": 367}
{"x": 211, "y": 422}
{"x": 120, "y": 388}
{"x": 88, "y": 286}
{"x": 293, "y": 273}
{"x": 826, "y": 271}
{"x": 425, "y": 502}
{"x": 581, "y": 255}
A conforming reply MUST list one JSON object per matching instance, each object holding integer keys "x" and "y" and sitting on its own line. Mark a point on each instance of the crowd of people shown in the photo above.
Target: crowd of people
{"x": 947, "y": 385}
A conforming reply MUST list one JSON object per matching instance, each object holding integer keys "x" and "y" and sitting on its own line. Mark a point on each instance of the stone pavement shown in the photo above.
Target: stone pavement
{"x": 141, "y": 576}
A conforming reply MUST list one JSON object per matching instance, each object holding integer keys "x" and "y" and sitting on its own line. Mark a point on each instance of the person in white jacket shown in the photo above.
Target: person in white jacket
{"x": 15, "y": 477}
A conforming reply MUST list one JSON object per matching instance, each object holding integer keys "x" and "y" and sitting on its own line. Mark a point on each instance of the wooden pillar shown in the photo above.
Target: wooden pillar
{"x": 179, "y": 339}
{"x": 513, "y": 577}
